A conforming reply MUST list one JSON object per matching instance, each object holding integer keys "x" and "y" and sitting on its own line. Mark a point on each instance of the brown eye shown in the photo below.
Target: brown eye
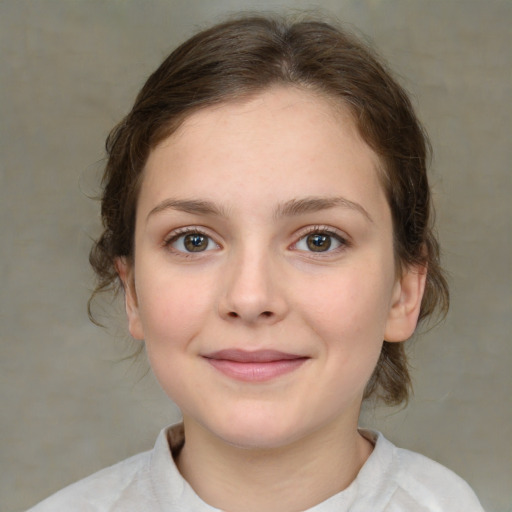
{"x": 318, "y": 242}
{"x": 321, "y": 242}
{"x": 195, "y": 242}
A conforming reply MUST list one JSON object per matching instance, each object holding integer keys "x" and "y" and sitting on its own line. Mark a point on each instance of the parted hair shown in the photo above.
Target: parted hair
{"x": 245, "y": 56}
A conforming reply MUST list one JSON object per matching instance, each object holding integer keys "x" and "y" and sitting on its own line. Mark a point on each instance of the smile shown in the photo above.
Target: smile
{"x": 256, "y": 366}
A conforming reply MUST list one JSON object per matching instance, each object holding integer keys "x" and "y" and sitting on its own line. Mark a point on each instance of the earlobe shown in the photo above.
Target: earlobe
{"x": 406, "y": 304}
{"x": 125, "y": 272}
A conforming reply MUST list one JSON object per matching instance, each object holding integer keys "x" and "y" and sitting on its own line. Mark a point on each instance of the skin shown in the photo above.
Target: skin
{"x": 243, "y": 176}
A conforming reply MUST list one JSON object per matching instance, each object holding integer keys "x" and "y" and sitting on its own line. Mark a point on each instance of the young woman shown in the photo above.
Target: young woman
{"x": 267, "y": 212}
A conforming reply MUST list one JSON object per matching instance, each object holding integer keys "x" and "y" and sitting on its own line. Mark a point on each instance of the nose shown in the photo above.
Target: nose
{"x": 253, "y": 292}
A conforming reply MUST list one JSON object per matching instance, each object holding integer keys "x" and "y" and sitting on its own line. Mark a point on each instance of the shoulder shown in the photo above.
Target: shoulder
{"x": 418, "y": 483}
{"x": 429, "y": 483}
{"x": 148, "y": 481}
{"x": 100, "y": 491}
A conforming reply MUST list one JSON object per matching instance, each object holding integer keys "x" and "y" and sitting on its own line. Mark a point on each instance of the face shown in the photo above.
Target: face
{"x": 264, "y": 280}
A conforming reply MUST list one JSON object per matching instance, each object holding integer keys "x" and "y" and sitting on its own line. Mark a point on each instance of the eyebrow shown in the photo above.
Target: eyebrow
{"x": 290, "y": 208}
{"x": 193, "y": 206}
{"x": 316, "y": 204}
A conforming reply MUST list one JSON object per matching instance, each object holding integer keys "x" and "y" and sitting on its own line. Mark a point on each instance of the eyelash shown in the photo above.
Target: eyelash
{"x": 344, "y": 243}
{"x": 313, "y": 230}
{"x": 181, "y": 232}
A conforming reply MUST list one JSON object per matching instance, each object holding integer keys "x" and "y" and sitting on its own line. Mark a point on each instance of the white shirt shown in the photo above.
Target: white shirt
{"x": 391, "y": 480}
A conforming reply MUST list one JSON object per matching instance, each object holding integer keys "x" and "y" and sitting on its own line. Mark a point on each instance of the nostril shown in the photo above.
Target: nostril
{"x": 266, "y": 314}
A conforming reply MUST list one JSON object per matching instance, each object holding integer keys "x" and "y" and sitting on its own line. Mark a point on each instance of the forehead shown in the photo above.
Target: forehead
{"x": 282, "y": 142}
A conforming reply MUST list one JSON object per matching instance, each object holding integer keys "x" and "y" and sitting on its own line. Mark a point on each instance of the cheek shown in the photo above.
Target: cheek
{"x": 349, "y": 305}
{"x": 173, "y": 312}
{"x": 348, "y": 313}
{"x": 172, "y": 309}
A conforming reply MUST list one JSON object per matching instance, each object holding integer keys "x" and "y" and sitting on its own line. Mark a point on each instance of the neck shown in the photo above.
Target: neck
{"x": 294, "y": 477}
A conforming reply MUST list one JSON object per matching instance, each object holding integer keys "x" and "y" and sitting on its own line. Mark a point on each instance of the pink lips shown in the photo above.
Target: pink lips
{"x": 255, "y": 366}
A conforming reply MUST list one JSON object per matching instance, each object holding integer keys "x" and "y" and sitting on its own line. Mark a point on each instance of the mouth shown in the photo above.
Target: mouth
{"x": 254, "y": 366}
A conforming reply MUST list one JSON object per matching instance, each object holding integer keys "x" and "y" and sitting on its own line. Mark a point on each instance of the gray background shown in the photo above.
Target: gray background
{"x": 70, "y": 69}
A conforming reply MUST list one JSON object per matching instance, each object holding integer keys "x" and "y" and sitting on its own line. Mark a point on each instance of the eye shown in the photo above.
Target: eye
{"x": 191, "y": 241}
{"x": 320, "y": 241}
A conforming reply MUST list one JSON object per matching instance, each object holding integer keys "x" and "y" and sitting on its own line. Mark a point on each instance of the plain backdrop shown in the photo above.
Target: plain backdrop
{"x": 69, "y": 70}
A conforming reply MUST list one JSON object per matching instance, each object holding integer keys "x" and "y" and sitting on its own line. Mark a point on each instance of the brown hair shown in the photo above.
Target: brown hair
{"x": 245, "y": 56}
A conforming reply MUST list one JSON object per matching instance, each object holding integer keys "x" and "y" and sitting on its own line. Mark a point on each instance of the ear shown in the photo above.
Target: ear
{"x": 125, "y": 272}
{"x": 406, "y": 304}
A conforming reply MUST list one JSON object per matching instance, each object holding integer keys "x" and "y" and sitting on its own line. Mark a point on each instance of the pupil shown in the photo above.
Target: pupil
{"x": 319, "y": 243}
{"x": 195, "y": 242}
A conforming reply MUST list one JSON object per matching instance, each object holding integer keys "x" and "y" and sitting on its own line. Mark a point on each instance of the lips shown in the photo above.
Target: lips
{"x": 254, "y": 366}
